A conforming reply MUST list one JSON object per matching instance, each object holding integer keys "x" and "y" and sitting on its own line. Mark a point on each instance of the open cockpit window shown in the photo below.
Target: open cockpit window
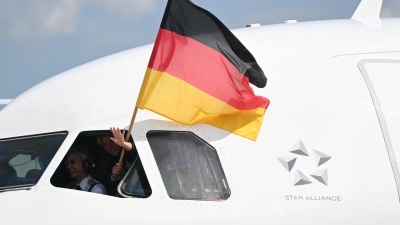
{"x": 23, "y": 159}
{"x": 190, "y": 167}
{"x": 91, "y": 165}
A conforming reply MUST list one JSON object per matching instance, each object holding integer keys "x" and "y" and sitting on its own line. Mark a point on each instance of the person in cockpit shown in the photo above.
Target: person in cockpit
{"x": 79, "y": 165}
{"x": 110, "y": 169}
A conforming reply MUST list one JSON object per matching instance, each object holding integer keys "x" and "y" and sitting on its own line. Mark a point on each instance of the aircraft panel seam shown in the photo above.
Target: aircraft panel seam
{"x": 384, "y": 128}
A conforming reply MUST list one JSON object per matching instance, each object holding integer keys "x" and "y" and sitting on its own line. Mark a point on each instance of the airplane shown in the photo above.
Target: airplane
{"x": 328, "y": 151}
{"x": 4, "y": 102}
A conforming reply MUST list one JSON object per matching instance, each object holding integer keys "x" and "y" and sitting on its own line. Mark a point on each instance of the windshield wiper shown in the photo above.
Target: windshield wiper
{"x": 16, "y": 188}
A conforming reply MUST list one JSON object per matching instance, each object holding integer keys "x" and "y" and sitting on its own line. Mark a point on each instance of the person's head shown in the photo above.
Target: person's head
{"x": 77, "y": 163}
{"x": 110, "y": 146}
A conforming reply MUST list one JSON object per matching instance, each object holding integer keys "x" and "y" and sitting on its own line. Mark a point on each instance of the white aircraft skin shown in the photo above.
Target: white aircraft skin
{"x": 4, "y": 102}
{"x": 318, "y": 94}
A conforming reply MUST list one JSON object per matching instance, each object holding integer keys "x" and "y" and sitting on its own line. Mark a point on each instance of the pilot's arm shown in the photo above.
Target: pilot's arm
{"x": 119, "y": 138}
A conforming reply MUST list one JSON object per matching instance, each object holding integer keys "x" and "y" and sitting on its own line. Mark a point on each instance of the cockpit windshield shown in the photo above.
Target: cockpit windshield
{"x": 23, "y": 159}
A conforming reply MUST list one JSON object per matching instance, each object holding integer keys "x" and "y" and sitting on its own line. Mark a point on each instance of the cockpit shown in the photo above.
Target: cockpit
{"x": 189, "y": 166}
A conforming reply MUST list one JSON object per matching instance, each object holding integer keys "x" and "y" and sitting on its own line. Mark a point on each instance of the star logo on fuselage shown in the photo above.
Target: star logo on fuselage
{"x": 320, "y": 158}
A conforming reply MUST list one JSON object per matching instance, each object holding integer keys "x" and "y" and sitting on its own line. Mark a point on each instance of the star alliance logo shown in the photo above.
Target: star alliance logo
{"x": 288, "y": 162}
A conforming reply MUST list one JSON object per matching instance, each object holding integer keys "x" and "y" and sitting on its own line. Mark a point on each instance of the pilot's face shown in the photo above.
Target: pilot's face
{"x": 112, "y": 148}
{"x": 74, "y": 166}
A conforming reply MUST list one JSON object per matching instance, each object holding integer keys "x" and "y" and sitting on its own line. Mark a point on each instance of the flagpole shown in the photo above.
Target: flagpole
{"x": 138, "y": 100}
{"x": 128, "y": 134}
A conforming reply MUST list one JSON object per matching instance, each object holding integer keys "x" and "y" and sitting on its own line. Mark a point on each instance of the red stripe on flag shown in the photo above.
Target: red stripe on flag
{"x": 203, "y": 68}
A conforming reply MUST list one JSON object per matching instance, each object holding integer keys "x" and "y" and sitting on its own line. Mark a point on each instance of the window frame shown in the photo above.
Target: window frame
{"x": 88, "y": 137}
{"x": 22, "y": 186}
{"x": 123, "y": 180}
{"x": 220, "y": 180}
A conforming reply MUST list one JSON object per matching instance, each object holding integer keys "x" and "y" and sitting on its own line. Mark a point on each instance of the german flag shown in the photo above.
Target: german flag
{"x": 200, "y": 72}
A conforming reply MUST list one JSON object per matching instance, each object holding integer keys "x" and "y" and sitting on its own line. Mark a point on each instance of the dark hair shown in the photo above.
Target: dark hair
{"x": 99, "y": 141}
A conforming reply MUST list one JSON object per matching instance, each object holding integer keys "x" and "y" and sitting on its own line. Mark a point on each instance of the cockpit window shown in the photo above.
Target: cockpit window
{"x": 23, "y": 159}
{"x": 96, "y": 161}
{"x": 190, "y": 168}
{"x": 135, "y": 184}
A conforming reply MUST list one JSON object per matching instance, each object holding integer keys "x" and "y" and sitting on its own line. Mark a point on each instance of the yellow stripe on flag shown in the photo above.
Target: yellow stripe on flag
{"x": 173, "y": 98}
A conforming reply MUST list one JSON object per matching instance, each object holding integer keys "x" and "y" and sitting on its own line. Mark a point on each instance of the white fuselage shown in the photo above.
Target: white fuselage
{"x": 319, "y": 95}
